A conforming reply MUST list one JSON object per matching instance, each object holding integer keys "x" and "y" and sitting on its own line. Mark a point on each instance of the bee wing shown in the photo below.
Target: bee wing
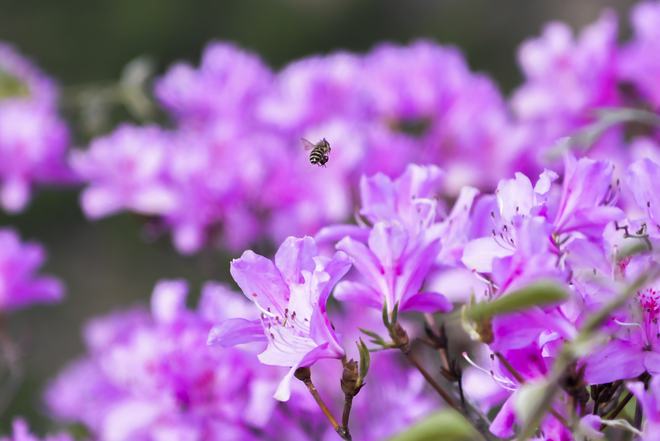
{"x": 307, "y": 144}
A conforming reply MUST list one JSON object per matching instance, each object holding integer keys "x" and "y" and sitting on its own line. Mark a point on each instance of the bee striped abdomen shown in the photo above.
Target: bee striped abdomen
{"x": 318, "y": 156}
{"x": 319, "y": 153}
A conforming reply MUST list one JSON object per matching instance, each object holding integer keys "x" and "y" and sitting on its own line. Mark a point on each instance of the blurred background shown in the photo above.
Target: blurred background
{"x": 110, "y": 264}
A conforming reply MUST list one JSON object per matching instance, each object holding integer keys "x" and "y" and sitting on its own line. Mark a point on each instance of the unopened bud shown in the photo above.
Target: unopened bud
{"x": 349, "y": 378}
{"x": 400, "y": 337}
{"x": 303, "y": 374}
{"x": 484, "y": 328}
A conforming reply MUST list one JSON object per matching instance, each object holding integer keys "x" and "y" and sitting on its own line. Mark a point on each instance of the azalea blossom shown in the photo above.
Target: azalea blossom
{"x": 401, "y": 246}
{"x": 33, "y": 138}
{"x": 147, "y": 373}
{"x": 291, "y": 294}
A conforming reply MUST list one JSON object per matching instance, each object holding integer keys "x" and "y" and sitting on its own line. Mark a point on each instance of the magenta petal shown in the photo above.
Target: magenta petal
{"x": 502, "y": 425}
{"x": 515, "y": 197}
{"x": 283, "y": 392}
{"x": 478, "y": 254}
{"x": 334, "y": 233}
{"x": 617, "y": 360}
{"x": 414, "y": 271}
{"x": 388, "y": 242}
{"x": 98, "y": 202}
{"x": 652, "y": 362}
{"x": 260, "y": 281}
{"x": 427, "y": 302}
{"x": 294, "y": 256}
{"x": 336, "y": 269}
{"x": 236, "y": 331}
{"x": 43, "y": 290}
{"x": 322, "y": 332}
{"x": 358, "y": 293}
{"x": 363, "y": 259}
{"x": 643, "y": 177}
{"x": 378, "y": 197}
{"x": 168, "y": 300}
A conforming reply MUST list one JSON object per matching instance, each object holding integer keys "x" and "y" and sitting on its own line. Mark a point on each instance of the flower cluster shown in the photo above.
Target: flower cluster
{"x": 33, "y": 139}
{"x": 492, "y": 279}
{"x": 575, "y": 234}
{"x": 234, "y": 162}
{"x": 150, "y": 374}
{"x": 234, "y": 168}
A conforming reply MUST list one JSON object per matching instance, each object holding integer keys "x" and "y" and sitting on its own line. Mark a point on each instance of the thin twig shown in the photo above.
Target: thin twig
{"x": 620, "y": 407}
{"x": 304, "y": 375}
{"x": 429, "y": 378}
{"x": 346, "y": 414}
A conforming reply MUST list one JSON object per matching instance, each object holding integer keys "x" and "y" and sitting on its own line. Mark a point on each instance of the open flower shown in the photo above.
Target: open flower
{"x": 149, "y": 373}
{"x": 633, "y": 350}
{"x": 394, "y": 264}
{"x": 291, "y": 295}
{"x": 33, "y": 139}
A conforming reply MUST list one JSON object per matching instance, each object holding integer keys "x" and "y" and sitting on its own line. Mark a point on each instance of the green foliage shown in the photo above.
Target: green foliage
{"x": 446, "y": 425}
{"x": 537, "y": 294}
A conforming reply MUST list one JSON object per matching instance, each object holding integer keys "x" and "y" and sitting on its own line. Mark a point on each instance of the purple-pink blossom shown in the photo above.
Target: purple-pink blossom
{"x": 33, "y": 138}
{"x": 291, "y": 294}
{"x": 147, "y": 373}
{"x": 20, "y": 285}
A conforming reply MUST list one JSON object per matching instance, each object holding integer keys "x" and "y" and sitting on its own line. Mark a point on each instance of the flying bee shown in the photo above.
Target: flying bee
{"x": 319, "y": 151}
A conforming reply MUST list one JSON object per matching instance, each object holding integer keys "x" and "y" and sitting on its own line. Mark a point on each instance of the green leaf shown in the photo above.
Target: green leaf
{"x": 386, "y": 316}
{"x": 537, "y": 294}
{"x": 530, "y": 397}
{"x": 395, "y": 313}
{"x": 365, "y": 359}
{"x": 375, "y": 338}
{"x": 446, "y": 425}
{"x": 639, "y": 246}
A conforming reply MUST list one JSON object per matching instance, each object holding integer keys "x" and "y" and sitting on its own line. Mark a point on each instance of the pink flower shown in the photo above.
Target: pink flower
{"x": 126, "y": 170}
{"x": 566, "y": 76}
{"x": 33, "y": 138}
{"x": 291, "y": 294}
{"x": 226, "y": 84}
{"x": 150, "y": 372}
{"x": 635, "y": 348}
{"x": 19, "y": 285}
{"x": 639, "y": 62}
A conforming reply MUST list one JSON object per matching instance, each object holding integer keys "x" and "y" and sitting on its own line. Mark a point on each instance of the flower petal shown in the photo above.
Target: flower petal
{"x": 358, "y": 293}
{"x": 617, "y": 360}
{"x": 294, "y": 256}
{"x": 260, "y": 281}
{"x": 168, "y": 300}
{"x": 236, "y": 331}
{"x": 426, "y": 302}
{"x": 478, "y": 254}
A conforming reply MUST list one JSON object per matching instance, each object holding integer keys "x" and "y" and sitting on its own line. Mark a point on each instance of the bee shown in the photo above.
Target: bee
{"x": 319, "y": 151}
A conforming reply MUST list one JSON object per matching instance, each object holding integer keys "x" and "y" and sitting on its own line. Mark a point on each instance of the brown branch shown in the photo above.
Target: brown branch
{"x": 305, "y": 375}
